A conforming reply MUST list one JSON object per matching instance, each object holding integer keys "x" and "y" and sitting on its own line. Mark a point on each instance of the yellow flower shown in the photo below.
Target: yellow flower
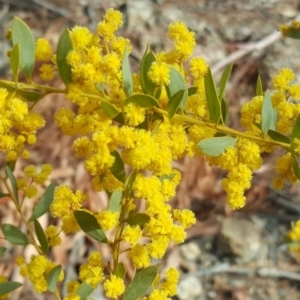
{"x": 43, "y": 50}
{"x": 139, "y": 256}
{"x": 132, "y": 234}
{"x": 114, "y": 287}
{"x": 159, "y": 73}
{"x": 107, "y": 219}
{"x": 47, "y": 72}
{"x": 80, "y": 37}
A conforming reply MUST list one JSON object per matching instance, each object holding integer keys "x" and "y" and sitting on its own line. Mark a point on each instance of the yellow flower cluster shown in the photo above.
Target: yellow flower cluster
{"x": 287, "y": 30}
{"x": 64, "y": 204}
{"x": 37, "y": 271}
{"x": 167, "y": 288}
{"x": 293, "y": 237}
{"x": 18, "y": 125}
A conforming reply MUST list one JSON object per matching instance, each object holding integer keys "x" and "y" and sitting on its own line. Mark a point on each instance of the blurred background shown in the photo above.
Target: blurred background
{"x": 238, "y": 255}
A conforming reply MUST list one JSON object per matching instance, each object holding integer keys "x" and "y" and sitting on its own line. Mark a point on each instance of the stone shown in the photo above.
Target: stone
{"x": 239, "y": 238}
{"x": 190, "y": 251}
{"x": 189, "y": 288}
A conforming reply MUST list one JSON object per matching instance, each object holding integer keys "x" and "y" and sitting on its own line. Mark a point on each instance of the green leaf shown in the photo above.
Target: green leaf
{"x": 40, "y": 233}
{"x": 267, "y": 114}
{"x": 224, "y": 110}
{"x": 147, "y": 85}
{"x": 115, "y": 200}
{"x": 216, "y": 146}
{"x": 192, "y": 90}
{"x": 177, "y": 83}
{"x": 13, "y": 181}
{"x": 43, "y": 205}
{"x": 15, "y": 61}
{"x": 89, "y": 224}
{"x": 64, "y": 46}
{"x": 129, "y": 183}
{"x": 294, "y": 33}
{"x": 140, "y": 219}
{"x": 295, "y": 133}
{"x": 22, "y": 35}
{"x": 2, "y": 251}
{"x": 120, "y": 270}
{"x": 142, "y": 100}
{"x": 224, "y": 79}
{"x": 213, "y": 103}
{"x": 100, "y": 87}
{"x": 118, "y": 169}
{"x": 175, "y": 102}
{"x": 8, "y": 286}
{"x": 126, "y": 73}
{"x": 140, "y": 283}
{"x": 14, "y": 235}
{"x": 84, "y": 290}
{"x": 31, "y": 95}
{"x": 166, "y": 177}
{"x": 259, "y": 89}
{"x": 109, "y": 109}
{"x": 279, "y": 137}
{"x": 53, "y": 277}
{"x": 296, "y": 168}
{"x": 119, "y": 118}
{"x": 2, "y": 195}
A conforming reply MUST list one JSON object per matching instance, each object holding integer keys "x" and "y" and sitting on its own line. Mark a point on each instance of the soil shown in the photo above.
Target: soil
{"x": 238, "y": 255}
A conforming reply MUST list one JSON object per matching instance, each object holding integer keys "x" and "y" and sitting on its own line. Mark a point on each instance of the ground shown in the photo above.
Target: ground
{"x": 234, "y": 255}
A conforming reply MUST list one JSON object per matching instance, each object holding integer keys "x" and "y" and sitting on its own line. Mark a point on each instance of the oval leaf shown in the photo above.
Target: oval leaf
{"x": 109, "y": 109}
{"x": 128, "y": 184}
{"x": 126, "y": 73}
{"x": 224, "y": 79}
{"x": 175, "y": 102}
{"x": 147, "y": 85}
{"x": 118, "y": 169}
{"x": 22, "y": 35}
{"x": 296, "y": 168}
{"x": 2, "y": 195}
{"x": 13, "y": 181}
{"x": 177, "y": 83}
{"x": 40, "y": 233}
{"x": 140, "y": 283}
{"x": 224, "y": 110}
{"x": 43, "y": 205}
{"x": 9, "y": 286}
{"x": 279, "y": 137}
{"x": 84, "y": 290}
{"x": 52, "y": 278}
{"x": 15, "y": 61}
{"x": 212, "y": 99}
{"x": 140, "y": 219}
{"x": 192, "y": 90}
{"x": 120, "y": 270}
{"x": 295, "y": 133}
{"x": 115, "y": 200}
{"x": 259, "y": 89}
{"x": 14, "y": 235}
{"x": 89, "y": 224}
{"x": 267, "y": 114}
{"x": 216, "y": 146}
{"x": 142, "y": 100}
{"x": 64, "y": 46}
{"x": 2, "y": 251}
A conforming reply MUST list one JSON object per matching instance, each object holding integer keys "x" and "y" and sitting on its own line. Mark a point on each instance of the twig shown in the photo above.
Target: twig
{"x": 265, "y": 42}
{"x": 262, "y": 272}
{"x": 246, "y": 49}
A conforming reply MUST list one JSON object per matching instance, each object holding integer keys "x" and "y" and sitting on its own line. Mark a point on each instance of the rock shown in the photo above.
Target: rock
{"x": 139, "y": 15}
{"x": 240, "y": 238}
{"x": 189, "y": 288}
{"x": 190, "y": 251}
